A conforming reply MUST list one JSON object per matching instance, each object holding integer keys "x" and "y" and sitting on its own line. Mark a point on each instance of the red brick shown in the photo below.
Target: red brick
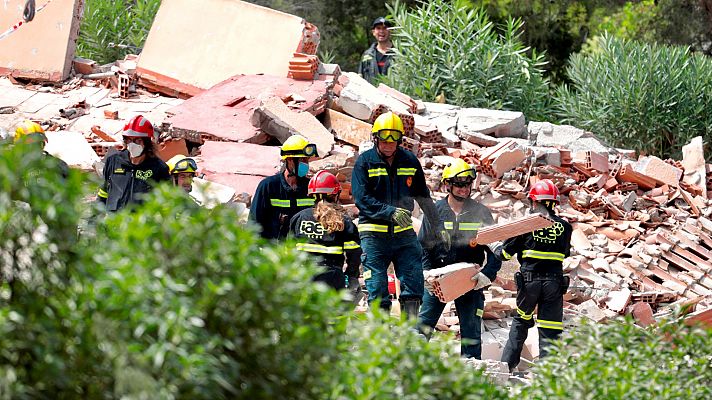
{"x": 643, "y": 314}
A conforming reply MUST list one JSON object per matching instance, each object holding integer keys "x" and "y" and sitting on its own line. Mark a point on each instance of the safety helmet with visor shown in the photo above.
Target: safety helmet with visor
{"x": 29, "y": 132}
{"x": 388, "y": 127}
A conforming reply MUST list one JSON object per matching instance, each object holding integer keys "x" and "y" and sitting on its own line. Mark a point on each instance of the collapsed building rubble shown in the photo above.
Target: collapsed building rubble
{"x": 642, "y": 242}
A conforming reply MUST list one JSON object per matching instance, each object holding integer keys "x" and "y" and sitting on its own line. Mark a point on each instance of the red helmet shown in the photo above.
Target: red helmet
{"x": 544, "y": 190}
{"x": 324, "y": 182}
{"x": 138, "y": 126}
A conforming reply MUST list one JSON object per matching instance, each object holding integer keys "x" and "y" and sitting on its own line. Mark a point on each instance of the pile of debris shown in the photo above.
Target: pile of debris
{"x": 641, "y": 244}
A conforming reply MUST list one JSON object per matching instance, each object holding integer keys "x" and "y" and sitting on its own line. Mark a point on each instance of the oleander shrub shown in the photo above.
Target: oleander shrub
{"x": 454, "y": 50}
{"x": 651, "y": 98}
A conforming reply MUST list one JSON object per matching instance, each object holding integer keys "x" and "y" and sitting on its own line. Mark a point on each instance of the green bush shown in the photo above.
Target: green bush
{"x": 646, "y": 97}
{"x": 172, "y": 301}
{"x": 122, "y": 22}
{"x": 619, "y": 360}
{"x": 451, "y": 49}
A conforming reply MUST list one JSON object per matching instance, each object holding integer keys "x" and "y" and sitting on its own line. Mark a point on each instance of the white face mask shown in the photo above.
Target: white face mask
{"x": 135, "y": 149}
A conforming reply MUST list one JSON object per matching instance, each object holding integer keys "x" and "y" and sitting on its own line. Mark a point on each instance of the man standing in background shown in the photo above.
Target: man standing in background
{"x": 377, "y": 59}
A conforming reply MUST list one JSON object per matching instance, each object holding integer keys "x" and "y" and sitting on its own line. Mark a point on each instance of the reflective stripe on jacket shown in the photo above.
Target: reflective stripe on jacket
{"x": 126, "y": 183}
{"x": 380, "y": 188}
{"x": 542, "y": 251}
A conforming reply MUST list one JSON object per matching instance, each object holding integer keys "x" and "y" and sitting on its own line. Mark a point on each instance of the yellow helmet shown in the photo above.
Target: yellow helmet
{"x": 388, "y": 127}
{"x": 297, "y": 146}
{"x": 29, "y": 129}
{"x": 180, "y": 163}
{"x": 457, "y": 169}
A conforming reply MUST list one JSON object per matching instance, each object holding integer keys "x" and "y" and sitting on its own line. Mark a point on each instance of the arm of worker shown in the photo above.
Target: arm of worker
{"x": 103, "y": 193}
{"x": 366, "y": 203}
{"x": 510, "y": 248}
{"x": 421, "y": 194}
{"x": 433, "y": 252}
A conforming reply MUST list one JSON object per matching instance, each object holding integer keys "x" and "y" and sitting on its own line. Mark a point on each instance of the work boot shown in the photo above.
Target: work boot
{"x": 411, "y": 308}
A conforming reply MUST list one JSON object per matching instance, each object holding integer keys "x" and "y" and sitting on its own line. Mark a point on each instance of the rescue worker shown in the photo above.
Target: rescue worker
{"x": 134, "y": 171}
{"x": 182, "y": 170}
{"x": 540, "y": 281}
{"x": 385, "y": 181}
{"x": 376, "y": 60}
{"x": 32, "y": 132}
{"x": 326, "y": 231}
{"x": 279, "y": 197}
{"x": 462, "y": 217}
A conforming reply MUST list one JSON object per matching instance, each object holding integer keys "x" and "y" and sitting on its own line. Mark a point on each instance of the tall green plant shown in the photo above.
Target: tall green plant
{"x": 647, "y": 97}
{"x": 125, "y": 23}
{"x": 451, "y": 49}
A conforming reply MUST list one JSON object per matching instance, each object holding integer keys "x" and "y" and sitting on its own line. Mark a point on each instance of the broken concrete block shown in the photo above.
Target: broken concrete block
{"x": 693, "y": 160}
{"x": 579, "y": 241}
{"x": 84, "y": 66}
{"x": 168, "y": 65}
{"x": 569, "y": 137}
{"x": 643, "y": 314}
{"x": 495, "y": 123}
{"x": 659, "y": 170}
{"x": 496, "y": 370}
{"x": 43, "y": 48}
{"x": 590, "y": 309}
{"x": 223, "y": 112}
{"x": 347, "y": 128}
{"x": 72, "y": 148}
{"x": 618, "y": 300}
{"x": 276, "y": 119}
{"x": 361, "y": 100}
{"x": 209, "y": 194}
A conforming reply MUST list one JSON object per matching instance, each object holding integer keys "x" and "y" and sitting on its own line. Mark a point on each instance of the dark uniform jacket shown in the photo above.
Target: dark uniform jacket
{"x": 330, "y": 247}
{"x": 379, "y": 189}
{"x": 462, "y": 229}
{"x": 542, "y": 251}
{"x": 275, "y": 203}
{"x": 125, "y": 182}
{"x": 368, "y": 67}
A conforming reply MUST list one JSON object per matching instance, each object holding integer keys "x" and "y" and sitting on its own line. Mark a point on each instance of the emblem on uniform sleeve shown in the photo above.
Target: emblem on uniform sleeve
{"x": 409, "y": 181}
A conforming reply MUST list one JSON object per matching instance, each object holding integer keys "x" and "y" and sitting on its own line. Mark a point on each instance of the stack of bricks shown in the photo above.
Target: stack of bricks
{"x": 450, "y": 282}
{"x": 101, "y": 142}
{"x": 303, "y": 66}
{"x": 426, "y": 131}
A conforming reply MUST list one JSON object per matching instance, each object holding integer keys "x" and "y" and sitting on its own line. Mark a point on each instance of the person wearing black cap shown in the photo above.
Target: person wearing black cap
{"x": 377, "y": 59}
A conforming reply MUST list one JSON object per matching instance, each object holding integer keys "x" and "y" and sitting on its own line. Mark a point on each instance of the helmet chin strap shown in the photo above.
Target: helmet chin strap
{"x": 459, "y": 198}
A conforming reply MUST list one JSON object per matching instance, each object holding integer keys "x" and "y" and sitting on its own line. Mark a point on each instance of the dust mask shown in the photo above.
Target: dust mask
{"x": 135, "y": 149}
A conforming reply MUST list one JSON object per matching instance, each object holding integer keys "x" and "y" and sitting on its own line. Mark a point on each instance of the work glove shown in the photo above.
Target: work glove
{"x": 494, "y": 246}
{"x": 481, "y": 279}
{"x": 447, "y": 241}
{"x": 402, "y": 217}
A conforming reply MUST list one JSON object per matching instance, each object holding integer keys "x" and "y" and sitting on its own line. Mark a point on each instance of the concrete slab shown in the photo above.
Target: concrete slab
{"x": 37, "y": 102}
{"x": 566, "y": 136}
{"x": 492, "y": 122}
{"x": 239, "y": 158}
{"x": 276, "y": 119}
{"x": 224, "y": 111}
{"x": 14, "y": 95}
{"x": 347, "y": 128}
{"x": 72, "y": 148}
{"x": 43, "y": 48}
{"x": 194, "y": 45}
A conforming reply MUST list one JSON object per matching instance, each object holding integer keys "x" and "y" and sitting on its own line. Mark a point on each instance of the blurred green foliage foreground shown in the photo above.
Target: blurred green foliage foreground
{"x": 173, "y": 301}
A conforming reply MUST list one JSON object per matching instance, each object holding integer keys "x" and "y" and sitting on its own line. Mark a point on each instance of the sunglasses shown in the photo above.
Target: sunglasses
{"x": 389, "y": 135}
{"x": 186, "y": 165}
{"x": 308, "y": 151}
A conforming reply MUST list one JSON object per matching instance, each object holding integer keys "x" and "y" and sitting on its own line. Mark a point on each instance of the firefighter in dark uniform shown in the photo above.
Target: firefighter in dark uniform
{"x": 385, "y": 181}
{"x": 131, "y": 173}
{"x": 540, "y": 281}
{"x": 279, "y": 197}
{"x": 327, "y": 232}
{"x": 462, "y": 217}
{"x": 376, "y": 60}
